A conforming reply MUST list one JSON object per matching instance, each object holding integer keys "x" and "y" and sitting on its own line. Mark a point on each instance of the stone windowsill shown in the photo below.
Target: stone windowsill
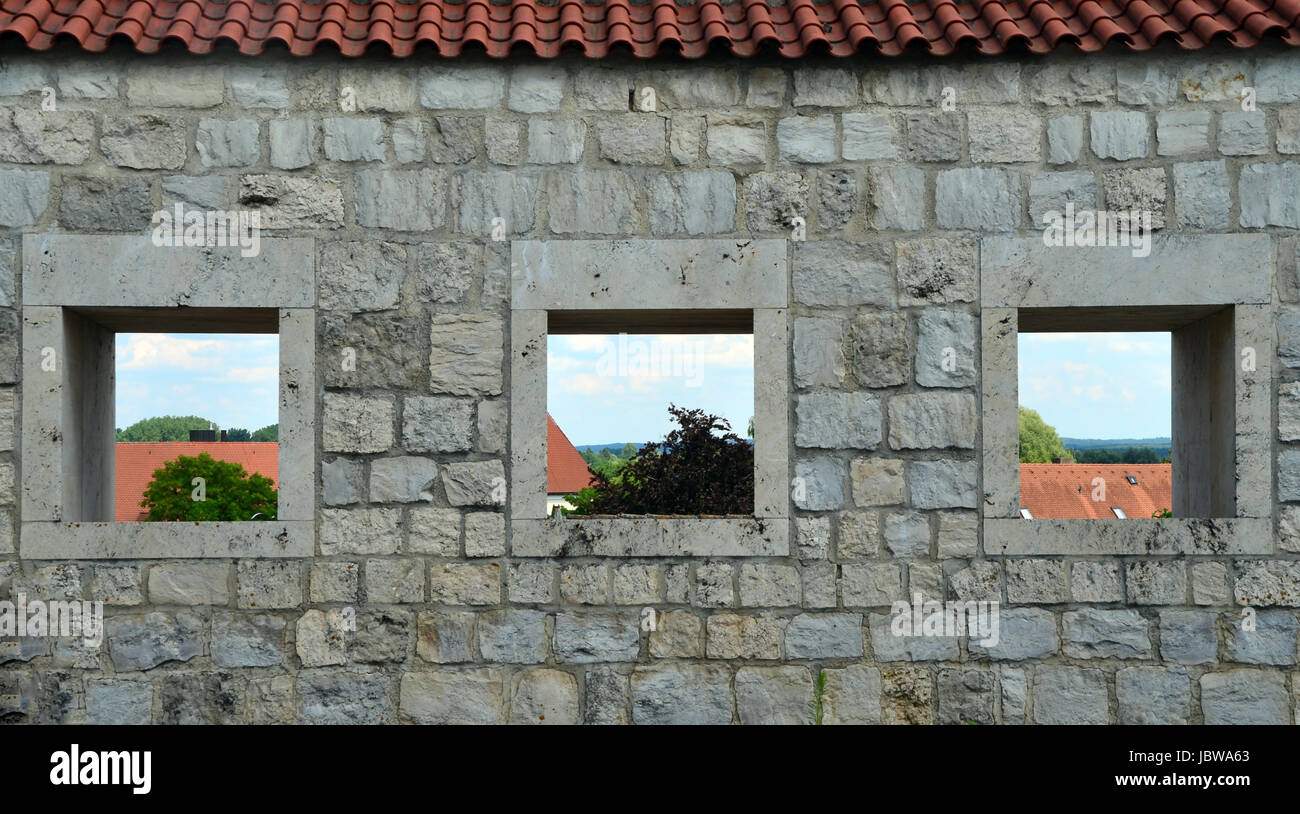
{"x": 1135, "y": 536}
{"x": 43, "y": 540}
{"x": 652, "y": 536}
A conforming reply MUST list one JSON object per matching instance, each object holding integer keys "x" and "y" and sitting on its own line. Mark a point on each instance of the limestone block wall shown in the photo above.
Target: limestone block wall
{"x": 420, "y": 595}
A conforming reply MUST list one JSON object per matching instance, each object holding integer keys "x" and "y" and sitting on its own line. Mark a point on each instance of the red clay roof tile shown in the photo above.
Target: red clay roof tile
{"x": 792, "y": 29}
{"x": 136, "y": 462}
{"x": 566, "y": 470}
{"x": 1066, "y": 490}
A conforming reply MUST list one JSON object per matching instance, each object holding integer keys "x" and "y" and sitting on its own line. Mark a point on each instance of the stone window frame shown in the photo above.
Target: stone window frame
{"x": 695, "y": 286}
{"x": 79, "y": 290}
{"x": 1180, "y": 287}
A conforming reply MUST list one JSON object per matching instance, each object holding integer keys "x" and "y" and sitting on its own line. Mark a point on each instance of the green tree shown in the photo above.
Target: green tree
{"x": 226, "y": 492}
{"x": 701, "y": 467}
{"x": 238, "y": 434}
{"x": 271, "y": 432}
{"x": 164, "y": 428}
{"x": 1039, "y": 443}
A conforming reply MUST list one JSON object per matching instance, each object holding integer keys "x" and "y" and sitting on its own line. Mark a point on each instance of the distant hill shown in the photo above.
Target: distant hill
{"x": 615, "y": 448}
{"x": 1114, "y": 443}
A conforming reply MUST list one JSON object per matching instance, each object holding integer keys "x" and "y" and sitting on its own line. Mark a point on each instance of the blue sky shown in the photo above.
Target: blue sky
{"x": 611, "y": 389}
{"x": 1098, "y": 385}
{"x": 230, "y": 379}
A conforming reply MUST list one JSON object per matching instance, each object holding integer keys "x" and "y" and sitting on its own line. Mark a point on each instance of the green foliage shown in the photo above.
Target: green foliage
{"x": 271, "y": 432}
{"x": 230, "y": 492}
{"x": 817, "y": 705}
{"x": 608, "y": 462}
{"x": 581, "y": 502}
{"x": 1039, "y": 443}
{"x": 238, "y": 434}
{"x": 701, "y": 467}
{"x": 1128, "y": 455}
{"x": 164, "y": 428}
{"x": 1160, "y": 514}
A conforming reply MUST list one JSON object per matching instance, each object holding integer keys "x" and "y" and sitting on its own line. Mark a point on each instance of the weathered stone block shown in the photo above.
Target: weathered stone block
{"x": 769, "y": 586}
{"x": 513, "y": 636}
{"x": 1243, "y": 697}
{"x": 977, "y": 199}
{"x": 391, "y": 582}
{"x": 806, "y": 139}
{"x": 405, "y": 200}
{"x": 1070, "y": 695}
{"x": 454, "y": 698}
{"x": 897, "y": 198}
{"x": 819, "y": 484}
{"x": 1188, "y": 637}
{"x": 356, "y": 423}
{"x": 932, "y": 421}
{"x": 965, "y": 697}
{"x": 143, "y": 641}
{"x": 945, "y": 349}
{"x": 589, "y": 637}
{"x": 681, "y": 694}
{"x": 936, "y": 271}
{"x": 1002, "y": 137}
{"x": 1023, "y": 633}
{"x": 228, "y": 143}
{"x": 449, "y": 87}
{"x": 693, "y": 203}
{"x": 824, "y": 636}
{"x": 881, "y": 348}
{"x": 465, "y": 355}
{"x": 445, "y": 637}
{"x": 1152, "y": 695}
{"x": 1273, "y": 641}
{"x": 189, "y": 584}
{"x": 268, "y": 584}
{"x": 867, "y": 136}
{"x": 1099, "y": 634}
{"x": 329, "y": 697}
{"x": 360, "y": 531}
{"x": 247, "y": 640}
{"x": 465, "y": 583}
{"x": 838, "y": 420}
{"x": 773, "y": 695}
{"x": 1035, "y": 581}
{"x": 403, "y": 479}
{"x": 545, "y": 696}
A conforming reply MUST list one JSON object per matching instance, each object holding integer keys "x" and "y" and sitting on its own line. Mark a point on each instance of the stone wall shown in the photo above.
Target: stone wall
{"x": 416, "y": 605}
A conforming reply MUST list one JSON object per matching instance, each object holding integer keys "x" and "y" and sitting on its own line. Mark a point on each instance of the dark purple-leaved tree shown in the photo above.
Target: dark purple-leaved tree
{"x": 701, "y": 467}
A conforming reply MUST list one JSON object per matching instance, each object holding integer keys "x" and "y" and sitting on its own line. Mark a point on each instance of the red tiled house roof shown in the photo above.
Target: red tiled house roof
{"x": 744, "y": 27}
{"x": 1065, "y": 490}
{"x": 566, "y": 471}
{"x": 136, "y": 462}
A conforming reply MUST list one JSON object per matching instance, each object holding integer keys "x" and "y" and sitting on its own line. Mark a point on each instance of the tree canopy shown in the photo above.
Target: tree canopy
{"x": 701, "y": 467}
{"x": 1039, "y": 443}
{"x": 225, "y": 492}
{"x": 164, "y": 428}
{"x": 177, "y": 428}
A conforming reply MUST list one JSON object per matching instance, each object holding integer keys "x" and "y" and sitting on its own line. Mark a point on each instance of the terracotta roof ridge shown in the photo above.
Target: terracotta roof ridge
{"x": 645, "y": 28}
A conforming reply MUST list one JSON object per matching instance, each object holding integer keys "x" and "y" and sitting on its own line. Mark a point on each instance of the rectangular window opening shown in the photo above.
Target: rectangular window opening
{"x": 195, "y": 419}
{"x": 1101, "y": 420}
{"x": 609, "y": 394}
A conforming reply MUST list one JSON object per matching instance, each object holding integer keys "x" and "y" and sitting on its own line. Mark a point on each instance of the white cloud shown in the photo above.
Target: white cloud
{"x": 248, "y": 375}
